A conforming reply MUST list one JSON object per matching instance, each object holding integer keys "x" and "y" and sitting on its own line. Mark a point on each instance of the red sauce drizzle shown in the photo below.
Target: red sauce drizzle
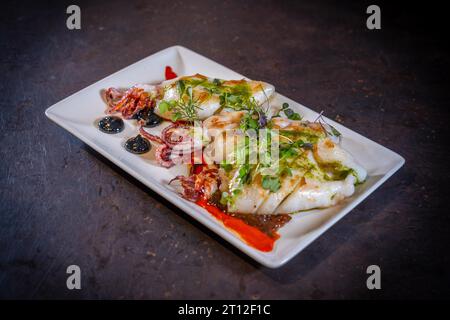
{"x": 169, "y": 73}
{"x": 197, "y": 167}
{"x": 251, "y": 235}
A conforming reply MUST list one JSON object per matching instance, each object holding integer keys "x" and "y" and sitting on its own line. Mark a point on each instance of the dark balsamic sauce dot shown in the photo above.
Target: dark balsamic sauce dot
{"x": 153, "y": 120}
{"x": 138, "y": 145}
{"x": 140, "y": 115}
{"x": 148, "y": 118}
{"x": 111, "y": 124}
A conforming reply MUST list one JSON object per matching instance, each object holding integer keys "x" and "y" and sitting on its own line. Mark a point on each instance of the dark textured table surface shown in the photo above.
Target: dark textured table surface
{"x": 61, "y": 203}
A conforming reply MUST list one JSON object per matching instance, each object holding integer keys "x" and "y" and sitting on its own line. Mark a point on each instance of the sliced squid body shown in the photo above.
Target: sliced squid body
{"x": 207, "y": 91}
{"x": 310, "y": 186}
{"x": 327, "y": 152}
{"x": 250, "y": 198}
{"x": 214, "y": 126}
{"x": 274, "y": 199}
{"x": 314, "y": 193}
{"x": 288, "y": 184}
{"x": 224, "y": 147}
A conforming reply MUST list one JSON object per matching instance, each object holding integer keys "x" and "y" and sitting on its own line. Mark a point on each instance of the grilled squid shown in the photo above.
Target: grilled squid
{"x": 205, "y": 96}
{"x": 314, "y": 170}
{"x": 188, "y": 98}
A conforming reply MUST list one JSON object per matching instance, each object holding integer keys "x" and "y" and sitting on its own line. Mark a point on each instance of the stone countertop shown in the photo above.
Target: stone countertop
{"x": 62, "y": 203}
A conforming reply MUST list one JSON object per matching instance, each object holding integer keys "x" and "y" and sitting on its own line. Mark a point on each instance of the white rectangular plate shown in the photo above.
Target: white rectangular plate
{"x": 78, "y": 113}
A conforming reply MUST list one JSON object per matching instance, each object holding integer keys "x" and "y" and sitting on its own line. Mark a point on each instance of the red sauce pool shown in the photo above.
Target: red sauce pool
{"x": 169, "y": 73}
{"x": 251, "y": 235}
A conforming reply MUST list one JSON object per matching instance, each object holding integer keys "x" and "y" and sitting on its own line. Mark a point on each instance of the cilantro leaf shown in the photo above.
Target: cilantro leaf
{"x": 291, "y": 114}
{"x": 163, "y": 107}
{"x": 244, "y": 173}
{"x": 271, "y": 183}
{"x": 226, "y": 166}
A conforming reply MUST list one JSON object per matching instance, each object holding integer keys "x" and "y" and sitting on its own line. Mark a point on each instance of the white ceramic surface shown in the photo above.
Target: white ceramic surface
{"x": 78, "y": 113}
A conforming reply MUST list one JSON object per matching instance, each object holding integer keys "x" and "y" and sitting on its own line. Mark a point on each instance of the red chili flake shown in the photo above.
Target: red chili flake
{"x": 169, "y": 73}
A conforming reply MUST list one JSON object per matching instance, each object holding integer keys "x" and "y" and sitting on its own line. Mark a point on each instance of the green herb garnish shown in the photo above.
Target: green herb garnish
{"x": 226, "y": 166}
{"x": 290, "y": 114}
{"x": 186, "y": 107}
{"x": 271, "y": 183}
